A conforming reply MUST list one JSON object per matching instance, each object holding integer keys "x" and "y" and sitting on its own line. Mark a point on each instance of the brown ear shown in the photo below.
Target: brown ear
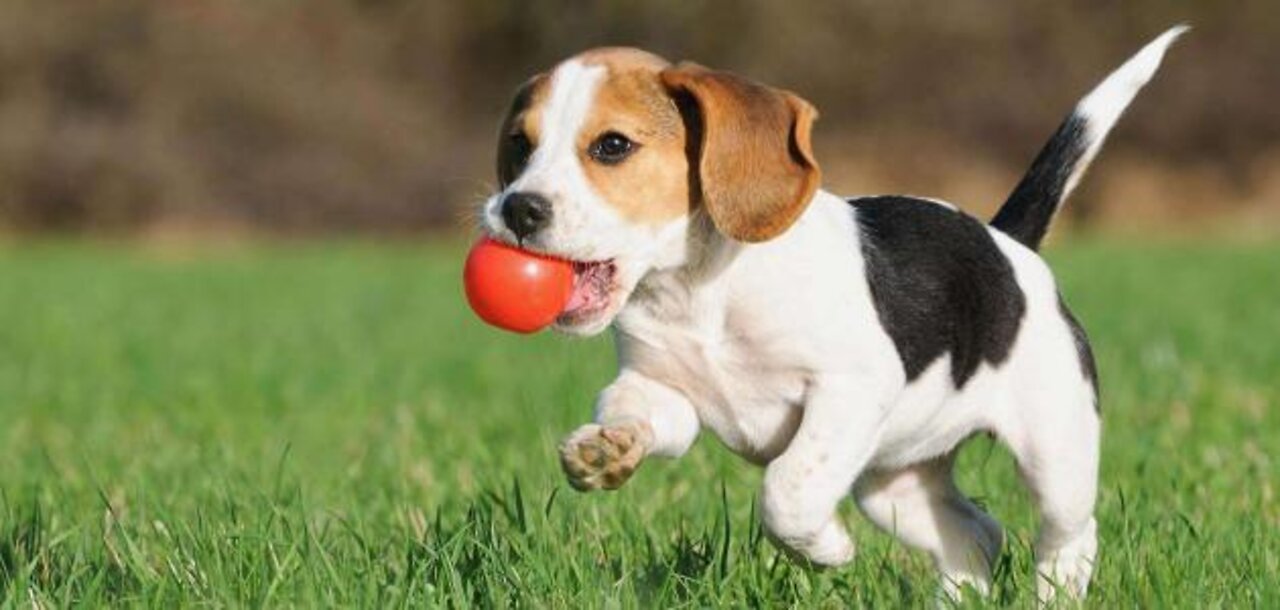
{"x": 750, "y": 146}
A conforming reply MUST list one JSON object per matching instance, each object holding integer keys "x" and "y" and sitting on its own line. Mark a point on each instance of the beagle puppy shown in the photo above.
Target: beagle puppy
{"x": 849, "y": 346}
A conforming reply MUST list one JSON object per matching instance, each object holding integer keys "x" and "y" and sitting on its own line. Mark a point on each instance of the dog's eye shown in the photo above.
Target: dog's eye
{"x": 611, "y": 148}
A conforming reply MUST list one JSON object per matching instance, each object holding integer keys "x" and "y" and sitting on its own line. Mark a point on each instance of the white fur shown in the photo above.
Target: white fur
{"x": 584, "y": 227}
{"x": 1103, "y": 106}
{"x": 782, "y": 356}
{"x": 778, "y": 350}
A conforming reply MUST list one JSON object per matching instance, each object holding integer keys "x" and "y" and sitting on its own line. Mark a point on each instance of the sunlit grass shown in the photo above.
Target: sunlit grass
{"x": 327, "y": 425}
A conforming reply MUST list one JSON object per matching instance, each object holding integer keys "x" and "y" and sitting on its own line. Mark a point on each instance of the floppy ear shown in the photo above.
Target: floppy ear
{"x": 750, "y": 149}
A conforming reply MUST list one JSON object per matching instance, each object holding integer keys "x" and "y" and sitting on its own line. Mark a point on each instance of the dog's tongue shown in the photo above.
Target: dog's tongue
{"x": 588, "y": 287}
{"x": 580, "y": 298}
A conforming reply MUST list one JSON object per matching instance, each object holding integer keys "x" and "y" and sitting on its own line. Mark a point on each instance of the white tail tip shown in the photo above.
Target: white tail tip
{"x": 1103, "y": 106}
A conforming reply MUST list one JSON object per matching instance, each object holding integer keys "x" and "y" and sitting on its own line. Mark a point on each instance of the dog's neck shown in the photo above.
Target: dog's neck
{"x": 694, "y": 287}
{"x": 708, "y": 252}
{"x": 682, "y": 292}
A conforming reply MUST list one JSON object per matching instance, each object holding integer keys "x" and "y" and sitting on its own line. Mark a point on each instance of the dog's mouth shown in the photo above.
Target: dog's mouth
{"x": 593, "y": 290}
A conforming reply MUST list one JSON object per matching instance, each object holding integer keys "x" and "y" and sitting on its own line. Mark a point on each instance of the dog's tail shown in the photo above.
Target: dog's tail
{"x": 1026, "y": 214}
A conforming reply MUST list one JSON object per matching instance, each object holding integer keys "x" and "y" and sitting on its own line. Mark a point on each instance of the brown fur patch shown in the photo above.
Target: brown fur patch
{"x": 651, "y": 185}
{"x": 623, "y": 59}
{"x": 738, "y": 147}
{"x": 755, "y": 158}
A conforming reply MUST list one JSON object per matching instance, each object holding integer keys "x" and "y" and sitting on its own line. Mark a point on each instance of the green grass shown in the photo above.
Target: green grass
{"x": 327, "y": 425}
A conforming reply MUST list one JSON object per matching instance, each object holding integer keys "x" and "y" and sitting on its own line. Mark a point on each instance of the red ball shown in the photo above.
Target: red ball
{"x": 516, "y": 289}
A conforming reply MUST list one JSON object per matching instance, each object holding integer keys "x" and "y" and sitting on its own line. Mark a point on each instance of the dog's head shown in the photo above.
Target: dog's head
{"x": 605, "y": 160}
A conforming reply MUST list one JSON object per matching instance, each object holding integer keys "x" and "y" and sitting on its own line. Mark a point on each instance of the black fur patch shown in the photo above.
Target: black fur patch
{"x": 940, "y": 284}
{"x": 1026, "y": 214}
{"x": 1087, "y": 365}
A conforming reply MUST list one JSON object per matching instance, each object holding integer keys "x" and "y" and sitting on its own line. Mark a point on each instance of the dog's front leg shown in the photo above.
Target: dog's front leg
{"x": 803, "y": 485}
{"x": 635, "y": 417}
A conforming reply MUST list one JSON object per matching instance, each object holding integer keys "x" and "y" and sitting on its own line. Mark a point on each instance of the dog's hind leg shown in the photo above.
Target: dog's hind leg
{"x": 1056, "y": 444}
{"x": 921, "y": 506}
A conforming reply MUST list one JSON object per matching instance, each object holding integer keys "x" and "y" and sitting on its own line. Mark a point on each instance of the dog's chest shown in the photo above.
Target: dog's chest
{"x": 751, "y": 401}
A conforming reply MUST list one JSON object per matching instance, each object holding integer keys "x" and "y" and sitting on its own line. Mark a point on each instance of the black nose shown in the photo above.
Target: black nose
{"x": 526, "y": 213}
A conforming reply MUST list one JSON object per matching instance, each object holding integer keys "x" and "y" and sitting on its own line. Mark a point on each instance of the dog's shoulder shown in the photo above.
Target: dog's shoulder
{"x": 940, "y": 283}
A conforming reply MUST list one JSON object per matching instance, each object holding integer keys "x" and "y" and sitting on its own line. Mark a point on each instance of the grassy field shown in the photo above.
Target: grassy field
{"x": 327, "y": 425}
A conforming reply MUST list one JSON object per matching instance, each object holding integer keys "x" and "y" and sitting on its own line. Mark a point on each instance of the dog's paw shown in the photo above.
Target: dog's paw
{"x": 602, "y": 457}
{"x": 830, "y": 547}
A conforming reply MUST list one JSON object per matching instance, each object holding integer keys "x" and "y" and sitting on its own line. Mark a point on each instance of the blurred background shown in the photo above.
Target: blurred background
{"x": 144, "y": 118}
{"x": 237, "y": 369}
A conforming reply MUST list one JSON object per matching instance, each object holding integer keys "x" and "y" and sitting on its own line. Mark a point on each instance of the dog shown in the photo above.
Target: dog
{"x": 849, "y": 346}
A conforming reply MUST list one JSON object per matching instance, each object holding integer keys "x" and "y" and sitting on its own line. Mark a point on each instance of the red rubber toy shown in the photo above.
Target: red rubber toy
{"x": 515, "y": 289}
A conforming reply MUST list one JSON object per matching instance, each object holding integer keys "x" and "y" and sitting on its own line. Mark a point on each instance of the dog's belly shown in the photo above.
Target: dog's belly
{"x": 758, "y": 428}
{"x": 930, "y": 418}
{"x": 755, "y": 404}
